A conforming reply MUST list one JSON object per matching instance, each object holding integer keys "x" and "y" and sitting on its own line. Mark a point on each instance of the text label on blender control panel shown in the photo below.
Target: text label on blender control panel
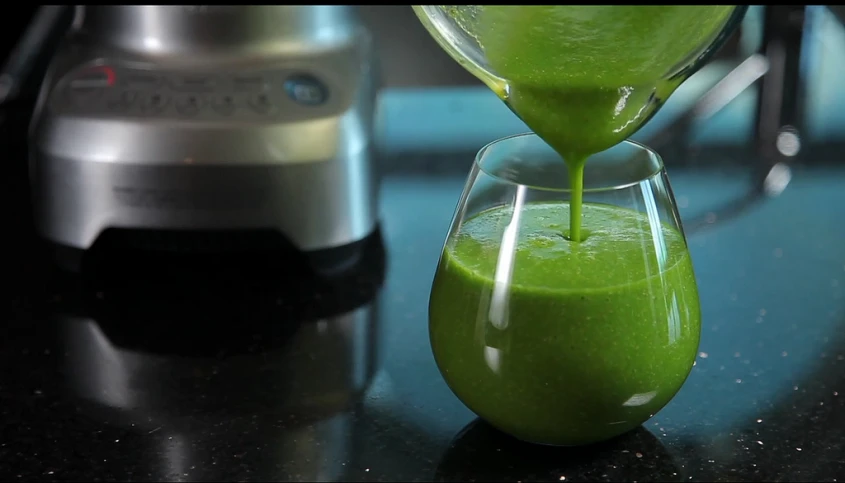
{"x": 237, "y": 96}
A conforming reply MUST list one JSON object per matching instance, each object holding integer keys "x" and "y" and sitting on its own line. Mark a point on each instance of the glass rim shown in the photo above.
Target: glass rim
{"x": 659, "y": 167}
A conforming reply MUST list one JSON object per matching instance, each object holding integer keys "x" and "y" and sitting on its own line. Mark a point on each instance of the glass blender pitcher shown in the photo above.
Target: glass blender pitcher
{"x": 583, "y": 78}
{"x": 460, "y": 31}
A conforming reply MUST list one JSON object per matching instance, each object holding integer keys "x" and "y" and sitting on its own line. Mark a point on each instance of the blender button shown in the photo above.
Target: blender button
{"x": 306, "y": 89}
{"x": 261, "y": 103}
{"x": 124, "y": 101}
{"x": 154, "y": 103}
{"x": 224, "y": 105}
{"x": 128, "y": 98}
{"x": 189, "y": 105}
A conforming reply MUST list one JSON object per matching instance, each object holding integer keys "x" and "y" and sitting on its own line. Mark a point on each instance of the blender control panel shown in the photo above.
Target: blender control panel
{"x": 263, "y": 95}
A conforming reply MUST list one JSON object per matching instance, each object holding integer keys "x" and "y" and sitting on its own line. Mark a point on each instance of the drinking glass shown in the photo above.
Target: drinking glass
{"x": 556, "y": 341}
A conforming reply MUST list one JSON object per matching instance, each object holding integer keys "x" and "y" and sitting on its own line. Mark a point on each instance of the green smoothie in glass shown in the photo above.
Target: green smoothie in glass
{"x": 597, "y": 331}
{"x": 596, "y": 337}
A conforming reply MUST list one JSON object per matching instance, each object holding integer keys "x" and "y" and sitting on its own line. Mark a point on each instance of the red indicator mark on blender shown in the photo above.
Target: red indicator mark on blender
{"x": 94, "y": 78}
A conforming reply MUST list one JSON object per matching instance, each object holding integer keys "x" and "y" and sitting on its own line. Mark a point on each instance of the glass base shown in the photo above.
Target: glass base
{"x": 561, "y": 445}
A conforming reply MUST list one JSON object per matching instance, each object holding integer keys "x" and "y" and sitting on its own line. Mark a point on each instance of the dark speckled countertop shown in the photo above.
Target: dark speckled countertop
{"x": 205, "y": 372}
{"x": 232, "y": 375}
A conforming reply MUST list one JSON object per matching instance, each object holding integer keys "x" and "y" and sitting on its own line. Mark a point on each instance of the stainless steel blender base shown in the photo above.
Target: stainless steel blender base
{"x": 189, "y": 127}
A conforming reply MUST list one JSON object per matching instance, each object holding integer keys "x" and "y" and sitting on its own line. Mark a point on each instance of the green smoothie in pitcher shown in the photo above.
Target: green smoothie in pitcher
{"x": 584, "y": 78}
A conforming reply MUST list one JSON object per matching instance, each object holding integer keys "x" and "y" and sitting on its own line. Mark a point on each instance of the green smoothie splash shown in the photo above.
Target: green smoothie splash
{"x": 584, "y": 78}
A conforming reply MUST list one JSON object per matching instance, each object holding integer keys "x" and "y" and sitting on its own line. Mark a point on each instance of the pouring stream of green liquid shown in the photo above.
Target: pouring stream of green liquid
{"x": 584, "y": 78}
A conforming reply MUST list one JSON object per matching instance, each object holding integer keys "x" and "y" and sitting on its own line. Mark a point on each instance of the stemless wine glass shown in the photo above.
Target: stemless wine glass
{"x": 557, "y": 341}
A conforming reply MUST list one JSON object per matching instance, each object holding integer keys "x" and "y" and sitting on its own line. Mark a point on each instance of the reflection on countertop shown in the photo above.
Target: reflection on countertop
{"x": 476, "y": 454}
{"x": 208, "y": 363}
